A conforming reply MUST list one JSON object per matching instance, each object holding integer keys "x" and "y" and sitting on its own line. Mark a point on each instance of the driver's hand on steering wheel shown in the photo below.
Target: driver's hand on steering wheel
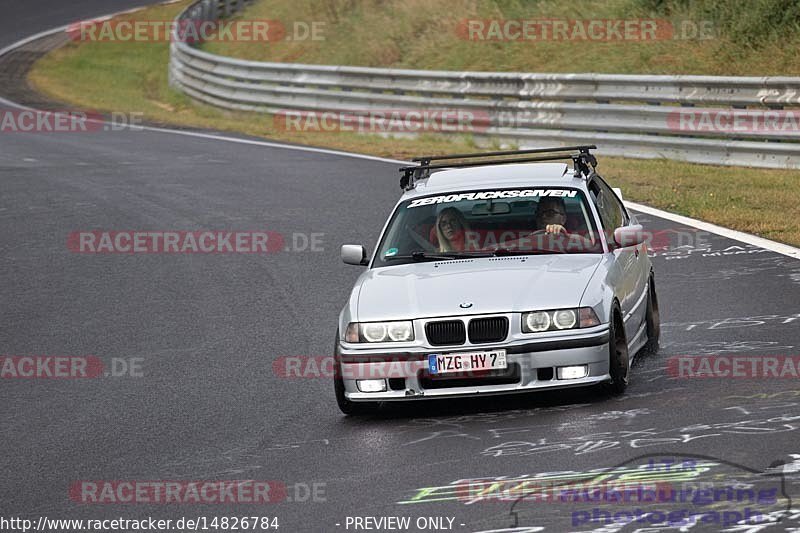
{"x": 555, "y": 228}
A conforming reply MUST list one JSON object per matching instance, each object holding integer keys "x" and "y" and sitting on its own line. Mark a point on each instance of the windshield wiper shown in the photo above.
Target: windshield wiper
{"x": 505, "y": 251}
{"x": 438, "y": 256}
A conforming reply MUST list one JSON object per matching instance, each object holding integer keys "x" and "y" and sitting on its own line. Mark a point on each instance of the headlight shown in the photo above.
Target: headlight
{"x": 402, "y": 331}
{"x": 559, "y": 319}
{"x": 536, "y": 322}
{"x": 565, "y": 319}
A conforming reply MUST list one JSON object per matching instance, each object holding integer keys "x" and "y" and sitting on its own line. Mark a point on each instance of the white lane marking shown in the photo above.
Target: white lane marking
{"x": 740, "y": 236}
{"x": 271, "y": 144}
{"x": 217, "y": 137}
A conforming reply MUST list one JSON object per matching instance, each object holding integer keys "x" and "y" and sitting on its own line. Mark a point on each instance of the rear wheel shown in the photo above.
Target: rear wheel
{"x": 653, "y": 319}
{"x": 618, "y": 360}
{"x": 346, "y": 406}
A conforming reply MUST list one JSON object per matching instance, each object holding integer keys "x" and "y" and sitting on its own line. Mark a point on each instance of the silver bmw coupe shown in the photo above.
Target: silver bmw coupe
{"x": 497, "y": 273}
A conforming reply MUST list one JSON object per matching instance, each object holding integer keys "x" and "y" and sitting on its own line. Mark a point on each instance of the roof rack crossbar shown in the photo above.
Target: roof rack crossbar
{"x": 583, "y": 162}
{"x": 555, "y": 157}
{"x": 428, "y": 158}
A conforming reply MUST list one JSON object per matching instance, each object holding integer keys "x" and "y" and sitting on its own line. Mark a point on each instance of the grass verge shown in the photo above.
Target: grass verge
{"x": 132, "y": 77}
{"x": 712, "y": 37}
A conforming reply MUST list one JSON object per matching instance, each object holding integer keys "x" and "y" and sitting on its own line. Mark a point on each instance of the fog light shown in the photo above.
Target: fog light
{"x": 371, "y": 385}
{"x": 572, "y": 372}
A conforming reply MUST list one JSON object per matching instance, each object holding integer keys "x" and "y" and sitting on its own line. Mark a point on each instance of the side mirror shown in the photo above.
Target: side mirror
{"x": 626, "y": 236}
{"x": 354, "y": 254}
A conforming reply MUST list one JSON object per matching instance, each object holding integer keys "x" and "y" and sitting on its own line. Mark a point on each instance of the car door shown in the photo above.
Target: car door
{"x": 628, "y": 259}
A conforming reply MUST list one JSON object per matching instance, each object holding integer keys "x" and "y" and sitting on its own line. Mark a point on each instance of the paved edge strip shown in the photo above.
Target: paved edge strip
{"x": 740, "y": 236}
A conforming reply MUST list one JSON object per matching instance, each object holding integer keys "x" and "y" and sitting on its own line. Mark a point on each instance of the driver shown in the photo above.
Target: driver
{"x": 551, "y": 215}
{"x": 551, "y": 220}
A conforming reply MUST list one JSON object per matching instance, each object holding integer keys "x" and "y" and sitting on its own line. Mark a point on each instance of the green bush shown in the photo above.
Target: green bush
{"x": 751, "y": 24}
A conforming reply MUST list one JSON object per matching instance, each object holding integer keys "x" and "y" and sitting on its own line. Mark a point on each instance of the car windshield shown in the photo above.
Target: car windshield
{"x": 489, "y": 222}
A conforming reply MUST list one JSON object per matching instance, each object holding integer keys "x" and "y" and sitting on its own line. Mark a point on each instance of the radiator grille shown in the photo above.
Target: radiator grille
{"x": 445, "y": 332}
{"x": 490, "y": 329}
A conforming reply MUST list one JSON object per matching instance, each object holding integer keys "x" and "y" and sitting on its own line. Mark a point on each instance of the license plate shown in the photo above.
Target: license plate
{"x": 466, "y": 362}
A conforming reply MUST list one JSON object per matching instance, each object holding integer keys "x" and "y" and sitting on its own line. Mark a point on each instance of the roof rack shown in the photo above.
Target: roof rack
{"x": 583, "y": 161}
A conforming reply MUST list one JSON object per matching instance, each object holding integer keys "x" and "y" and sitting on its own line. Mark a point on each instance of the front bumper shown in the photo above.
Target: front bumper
{"x": 531, "y": 365}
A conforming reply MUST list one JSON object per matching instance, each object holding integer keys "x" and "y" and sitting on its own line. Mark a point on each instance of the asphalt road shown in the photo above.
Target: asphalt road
{"x": 207, "y": 329}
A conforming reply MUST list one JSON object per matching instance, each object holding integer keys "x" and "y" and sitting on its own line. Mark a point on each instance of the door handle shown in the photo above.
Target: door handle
{"x": 636, "y": 252}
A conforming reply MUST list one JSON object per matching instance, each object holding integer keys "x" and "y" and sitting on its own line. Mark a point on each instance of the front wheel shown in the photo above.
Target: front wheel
{"x": 346, "y": 406}
{"x": 618, "y": 360}
{"x": 653, "y": 320}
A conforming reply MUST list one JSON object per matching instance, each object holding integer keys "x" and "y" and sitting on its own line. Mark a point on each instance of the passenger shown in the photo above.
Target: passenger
{"x": 451, "y": 228}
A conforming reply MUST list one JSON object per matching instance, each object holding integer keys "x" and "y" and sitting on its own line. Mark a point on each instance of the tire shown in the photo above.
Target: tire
{"x": 618, "y": 359}
{"x": 653, "y": 320}
{"x": 346, "y": 406}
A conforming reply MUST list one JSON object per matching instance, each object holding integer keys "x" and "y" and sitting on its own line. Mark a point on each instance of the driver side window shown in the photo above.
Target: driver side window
{"x": 612, "y": 213}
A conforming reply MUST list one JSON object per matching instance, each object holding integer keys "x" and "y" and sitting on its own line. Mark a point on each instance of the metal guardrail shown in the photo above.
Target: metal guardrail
{"x": 626, "y": 115}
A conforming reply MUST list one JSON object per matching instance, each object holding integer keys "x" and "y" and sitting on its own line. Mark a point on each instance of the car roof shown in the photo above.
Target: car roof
{"x": 495, "y": 176}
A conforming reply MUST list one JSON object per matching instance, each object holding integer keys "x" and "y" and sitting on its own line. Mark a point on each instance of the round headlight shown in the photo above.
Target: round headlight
{"x": 538, "y": 321}
{"x": 374, "y": 332}
{"x": 565, "y": 319}
{"x": 400, "y": 331}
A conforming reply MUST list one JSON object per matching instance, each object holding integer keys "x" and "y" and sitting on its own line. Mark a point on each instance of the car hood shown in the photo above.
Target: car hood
{"x": 490, "y": 285}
